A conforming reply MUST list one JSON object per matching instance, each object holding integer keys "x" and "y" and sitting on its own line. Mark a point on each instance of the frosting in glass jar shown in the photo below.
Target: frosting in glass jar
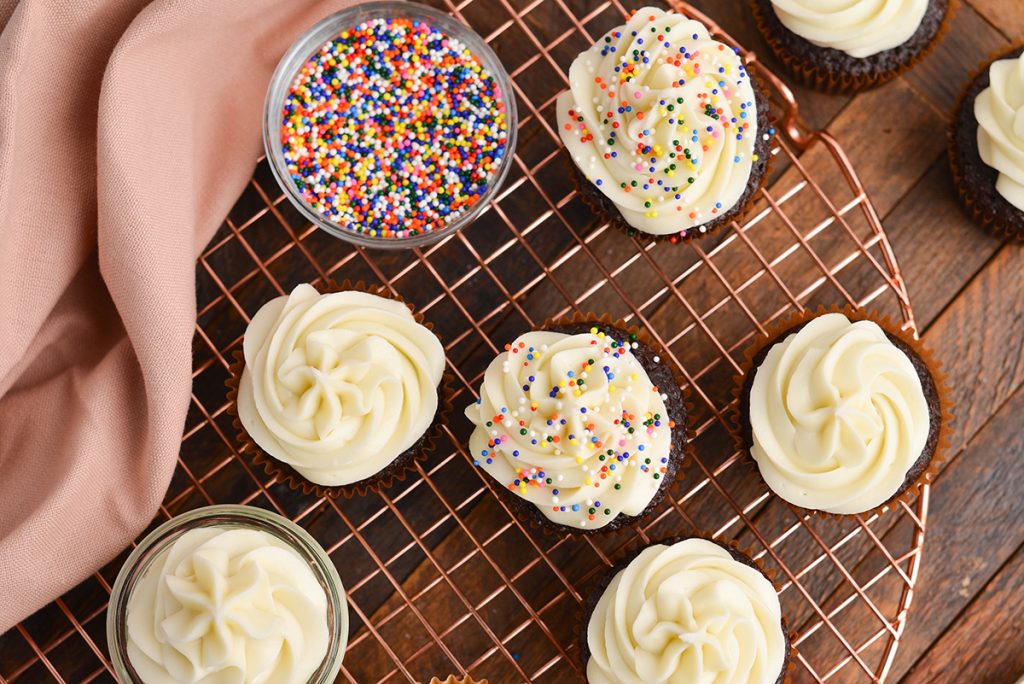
{"x": 227, "y": 605}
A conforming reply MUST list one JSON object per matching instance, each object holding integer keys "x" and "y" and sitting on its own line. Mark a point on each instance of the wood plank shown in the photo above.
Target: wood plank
{"x": 975, "y": 526}
{"x": 985, "y": 643}
{"x": 1003, "y": 14}
{"x": 942, "y": 75}
{"x": 939, "y": 249}
{"x": 978, "y": 340}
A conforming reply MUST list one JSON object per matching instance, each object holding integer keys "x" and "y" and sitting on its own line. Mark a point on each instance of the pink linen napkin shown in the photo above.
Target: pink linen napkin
{"x": 127, "y": 130}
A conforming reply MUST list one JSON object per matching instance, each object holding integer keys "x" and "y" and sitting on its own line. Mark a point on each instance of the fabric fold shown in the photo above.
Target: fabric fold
{"x": 127, "y": 131}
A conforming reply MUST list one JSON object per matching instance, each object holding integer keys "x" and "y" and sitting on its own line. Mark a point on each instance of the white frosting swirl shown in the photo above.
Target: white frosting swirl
{"x": 860, "y": 28}
{"x": 227, "y": 605}
{"x": 838, "y": 416}
{"x": 688, "y": 612}
{"x": 572, "y": 424}
{"x": 999, "y": 110}
{"x": 662, "y": 119}
{"x": 338, "y": 385}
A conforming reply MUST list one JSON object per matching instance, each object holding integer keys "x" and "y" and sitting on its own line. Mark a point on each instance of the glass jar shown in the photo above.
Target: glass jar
{"x": 327, "y": 29}
{"x": 160, "y": 540}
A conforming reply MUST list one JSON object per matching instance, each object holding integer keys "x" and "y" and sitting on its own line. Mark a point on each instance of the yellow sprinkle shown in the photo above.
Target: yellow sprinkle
{"x": 755, "y": 157}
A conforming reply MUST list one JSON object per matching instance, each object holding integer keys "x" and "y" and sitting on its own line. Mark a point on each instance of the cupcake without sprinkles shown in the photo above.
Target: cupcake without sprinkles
{"x": 851, "y": 45}
{"x": 388, "y": 124}
{"x": 667, "y": 131}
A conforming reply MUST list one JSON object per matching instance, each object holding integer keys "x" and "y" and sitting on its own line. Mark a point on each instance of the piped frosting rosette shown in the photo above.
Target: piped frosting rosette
{"x": 860, "y": 28}
{"x": 338, "y": 385}
{"x": 840, "y": 417}
{"x": 227, "y": 605}
{"x": 662, "y": 120}
{"x": 999, "y": 110}
{"x": 573, "y": 425}
{"x": 686, "y": 611}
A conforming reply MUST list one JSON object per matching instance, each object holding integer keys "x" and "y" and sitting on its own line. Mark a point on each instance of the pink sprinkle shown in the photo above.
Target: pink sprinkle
{"x": 637, "y": 94}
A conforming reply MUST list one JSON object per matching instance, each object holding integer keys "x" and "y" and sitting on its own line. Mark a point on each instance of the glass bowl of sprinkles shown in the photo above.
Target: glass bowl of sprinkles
{"x": 390, "y": 124}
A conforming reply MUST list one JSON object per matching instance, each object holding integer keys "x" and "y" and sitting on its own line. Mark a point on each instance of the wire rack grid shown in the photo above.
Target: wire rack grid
{"x": 441, "y": 578}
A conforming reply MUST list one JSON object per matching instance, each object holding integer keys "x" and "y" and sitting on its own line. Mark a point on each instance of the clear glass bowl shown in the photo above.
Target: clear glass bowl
{"x": 229, "y": 516}
{"x": 326, "y": 29}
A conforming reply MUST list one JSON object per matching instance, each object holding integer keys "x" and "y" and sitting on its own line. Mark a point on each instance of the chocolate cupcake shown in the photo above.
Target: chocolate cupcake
{"x": 851, "y": 46}
{"x": 582, "y": 426}
{"x": 842, "y": 414}
{"x": 686, "y": 609}
{"x": 338, "y": 392}
{"x": 986, "y": 146}
{"x": 667, "y": 132}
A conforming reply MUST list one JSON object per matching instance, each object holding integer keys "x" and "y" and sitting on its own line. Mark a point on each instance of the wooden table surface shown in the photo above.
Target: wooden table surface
{"x": 967, "y": 619}
{"x": 967, "y": 290}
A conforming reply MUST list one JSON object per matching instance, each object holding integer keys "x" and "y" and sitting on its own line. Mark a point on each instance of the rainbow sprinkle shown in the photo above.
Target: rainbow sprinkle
{"x": 393, "y": 129}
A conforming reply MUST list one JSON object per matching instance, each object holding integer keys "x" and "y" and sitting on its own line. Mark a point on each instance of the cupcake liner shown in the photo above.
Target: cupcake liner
{"x": 998, "y": 219}
{"x": 452, "y": 679}
{"x": 809, "y": 72}
{"x": 680, "y": 411}
{"x": 605, "y": 209}
{"x": 924, "y": 470}
{"x": 398, "y": 469}
{"x": 742, "y": 554}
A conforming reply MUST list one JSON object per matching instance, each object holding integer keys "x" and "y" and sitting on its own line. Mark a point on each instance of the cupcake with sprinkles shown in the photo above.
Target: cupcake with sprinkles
{"x": 854, "y": 44}
{"x": 394, "y": 128}
{"x": 581, "y": 424}
{"x": 666, "y": 129}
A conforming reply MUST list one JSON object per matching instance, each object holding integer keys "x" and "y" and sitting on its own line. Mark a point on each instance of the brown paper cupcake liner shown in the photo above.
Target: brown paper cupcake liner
{"x": 929, "y": 370}
{"x": 983, "y": 209}
{"x": 741, "y": 554}
{"x": 606, "y": 211}
{"x": 452, "y": 679}
{"x": 683, "y": 433}
{"x": 398, "y": 469}
{"x": 810, "y": 72}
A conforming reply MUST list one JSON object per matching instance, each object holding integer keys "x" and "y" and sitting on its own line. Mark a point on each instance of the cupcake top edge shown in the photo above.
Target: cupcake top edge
{"x": 662, "y": 119}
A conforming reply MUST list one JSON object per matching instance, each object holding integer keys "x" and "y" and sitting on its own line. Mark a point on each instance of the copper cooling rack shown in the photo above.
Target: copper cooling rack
{"x": 440, "y": 577}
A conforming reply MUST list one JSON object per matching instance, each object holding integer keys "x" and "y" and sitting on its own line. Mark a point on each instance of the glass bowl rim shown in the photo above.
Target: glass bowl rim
{"x": 228, "y": 515}
{"x": 312, "y": 39}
